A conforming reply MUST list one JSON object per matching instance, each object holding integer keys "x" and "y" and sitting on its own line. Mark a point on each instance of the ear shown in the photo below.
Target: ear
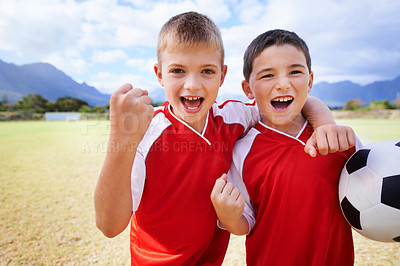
{"x": 223, "y": 74}
{"x": 247, "y": 90}
{"x": 157, "y": 70}
{"x": 310, "y": 82}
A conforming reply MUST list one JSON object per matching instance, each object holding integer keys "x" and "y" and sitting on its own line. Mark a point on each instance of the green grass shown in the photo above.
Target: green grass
{"x": 47, "y": 179}
{"x": 371, "y": 130}
{"x": 48, "y": 174}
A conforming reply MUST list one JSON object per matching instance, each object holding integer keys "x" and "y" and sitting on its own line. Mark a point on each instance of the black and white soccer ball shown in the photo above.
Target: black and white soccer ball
{"x": 369, "y": 191}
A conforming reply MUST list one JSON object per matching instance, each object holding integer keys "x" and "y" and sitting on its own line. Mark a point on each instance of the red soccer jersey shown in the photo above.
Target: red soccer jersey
{"x": 174, "y": 171}
{"x": 295, "y": 197}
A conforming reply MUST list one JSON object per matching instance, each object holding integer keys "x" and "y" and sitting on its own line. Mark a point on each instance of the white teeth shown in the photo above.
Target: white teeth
{"x": 282, "y": 99}
{"x": 192, "y": 98}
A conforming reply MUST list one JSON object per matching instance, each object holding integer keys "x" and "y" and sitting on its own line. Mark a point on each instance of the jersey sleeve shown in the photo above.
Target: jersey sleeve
{"x": 236, "y": 112}
{"x": 138, "y": 173}
{"x": 236, "y": 179}
{"x": 235, "y": 174}
{"x": 138, "y": 176}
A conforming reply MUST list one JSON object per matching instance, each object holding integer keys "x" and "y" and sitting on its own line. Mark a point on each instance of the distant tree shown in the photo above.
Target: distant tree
{"x": 32, "y": 103}
{"x": 98, "y": 109}
{"x": 69, "y": 104}
{"x": 5, "y": 105}
{"x": 85, "y": 109}
{"x": 51, "y": 107}
{"x": 374, "y": 105}
{"x": 4, "y": 99}
{"x": 354, "y": 104}
{"x": 3, "y": 102}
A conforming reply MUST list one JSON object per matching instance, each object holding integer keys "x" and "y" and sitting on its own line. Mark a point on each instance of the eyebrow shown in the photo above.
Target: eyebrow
{"x": 270, "y": 68}
{"x": 183, "y": 66}
{"x": 210, "y": 65}
{"x": 175, "y": 65}
{"x": 297, "y": 65}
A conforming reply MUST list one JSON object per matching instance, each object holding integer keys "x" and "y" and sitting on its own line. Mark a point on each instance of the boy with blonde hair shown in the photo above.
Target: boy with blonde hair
{"x": 286, "y": 199}
{"x": 161, "y": 165}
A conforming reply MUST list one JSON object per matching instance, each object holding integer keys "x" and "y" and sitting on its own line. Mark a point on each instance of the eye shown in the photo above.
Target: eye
{"x": 177, "y": 71}
{"x": 294, "y": 72}
{"x": 266, "y": 76}
{"x": 208, "y": 71}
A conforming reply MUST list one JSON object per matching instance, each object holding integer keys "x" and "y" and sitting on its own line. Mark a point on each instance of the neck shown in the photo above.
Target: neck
{"x": 291, "y": 126}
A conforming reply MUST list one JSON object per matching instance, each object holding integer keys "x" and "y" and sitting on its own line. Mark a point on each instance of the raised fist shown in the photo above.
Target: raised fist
{"x": 130, "y": 113}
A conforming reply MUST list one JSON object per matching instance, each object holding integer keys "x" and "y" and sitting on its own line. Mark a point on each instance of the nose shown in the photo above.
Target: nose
{"x": 282, "y": 83}
{"x": 192, "y": 82}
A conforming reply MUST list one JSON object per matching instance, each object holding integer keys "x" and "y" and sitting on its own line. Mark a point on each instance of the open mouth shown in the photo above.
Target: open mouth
{"x": 192, "y": 103}
{"x": 282, "y": 103}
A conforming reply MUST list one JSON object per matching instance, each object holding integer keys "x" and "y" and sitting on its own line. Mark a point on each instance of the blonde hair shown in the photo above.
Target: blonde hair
{"x": 189, "y": 30}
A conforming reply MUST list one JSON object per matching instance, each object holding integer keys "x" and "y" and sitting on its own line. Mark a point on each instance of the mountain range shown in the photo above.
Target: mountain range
{"x": 51, "y": 83}
{"x": 337, "y": 94}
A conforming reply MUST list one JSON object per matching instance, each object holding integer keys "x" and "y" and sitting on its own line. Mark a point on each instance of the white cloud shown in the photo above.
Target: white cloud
{"x": 38, "y": 26}
{"x": 70, "y": 63}
{"x": 234, "y": 76}
{"x": 108, "y": 82}
{"x": 142, "y": 64}
{"x": 347, "y": 39}
{"x": 110, "y": 56}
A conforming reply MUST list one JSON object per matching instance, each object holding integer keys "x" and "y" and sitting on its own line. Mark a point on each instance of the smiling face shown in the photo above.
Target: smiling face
{"x": 191, "y": 79}
{"x": 280, "y": 81}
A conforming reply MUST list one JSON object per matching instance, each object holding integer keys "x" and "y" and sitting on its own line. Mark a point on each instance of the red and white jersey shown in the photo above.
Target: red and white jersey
{"x": 295, "y": 200}
{"x": 173, "y": 174}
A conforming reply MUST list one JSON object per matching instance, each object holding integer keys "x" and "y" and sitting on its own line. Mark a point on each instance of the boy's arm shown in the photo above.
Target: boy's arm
{"x": 317, "y": 112}
{"x": 327, "y": 137}
{"x": 229, "y": 205}
{"x": 130, "y": 115}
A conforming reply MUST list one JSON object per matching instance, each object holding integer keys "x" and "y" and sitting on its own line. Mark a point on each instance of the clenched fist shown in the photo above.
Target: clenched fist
{"x": 229, "y": 205}
{"x": 130, "y": 114}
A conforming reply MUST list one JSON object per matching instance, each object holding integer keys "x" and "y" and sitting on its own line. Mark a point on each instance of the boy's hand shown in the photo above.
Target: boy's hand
{"x": 330, "y": 138}
{"x": 228, "y": 202}
{"x": 130, "y": 113}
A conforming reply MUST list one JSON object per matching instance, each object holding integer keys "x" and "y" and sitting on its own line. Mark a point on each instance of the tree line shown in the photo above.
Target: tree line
{"x": 359, "y": 104}
{"x": 33, "y": 106}
{"x": 35, "y": 103}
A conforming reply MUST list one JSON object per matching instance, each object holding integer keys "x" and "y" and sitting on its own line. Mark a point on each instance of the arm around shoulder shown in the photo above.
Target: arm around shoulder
{"x": 317, "y": 112}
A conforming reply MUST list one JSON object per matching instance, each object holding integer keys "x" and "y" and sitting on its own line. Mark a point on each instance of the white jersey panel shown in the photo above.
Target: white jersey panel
{"x": 138, "y": 174}
{"x": 235, "y": 112}
{"x": 235, "y": 174}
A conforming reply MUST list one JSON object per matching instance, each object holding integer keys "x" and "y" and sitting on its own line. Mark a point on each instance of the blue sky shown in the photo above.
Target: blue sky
{"x": 107, "y": 43}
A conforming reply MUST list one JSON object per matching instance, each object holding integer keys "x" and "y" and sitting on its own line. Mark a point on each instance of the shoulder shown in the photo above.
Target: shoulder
{"x": 243, "y": 146}
{"x": 232, "y": 105}
{"x": 241, "y": 151}
{"x": 156, "y": 128}
{"x": 227, "y": 103}
{"x": 235, "y": 111}
{"x": 159, "y": 120}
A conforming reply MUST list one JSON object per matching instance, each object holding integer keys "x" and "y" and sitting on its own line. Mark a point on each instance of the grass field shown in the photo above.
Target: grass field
{"x": 47, "y": 178}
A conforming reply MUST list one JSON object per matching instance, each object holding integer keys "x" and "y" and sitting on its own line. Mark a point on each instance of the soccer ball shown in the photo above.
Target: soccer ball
{"x": 369, "y": 191}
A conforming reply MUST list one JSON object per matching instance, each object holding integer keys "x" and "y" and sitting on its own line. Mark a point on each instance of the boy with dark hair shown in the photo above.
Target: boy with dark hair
{"x": 161, "y": 165}
{"x": 290, "y": 200}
